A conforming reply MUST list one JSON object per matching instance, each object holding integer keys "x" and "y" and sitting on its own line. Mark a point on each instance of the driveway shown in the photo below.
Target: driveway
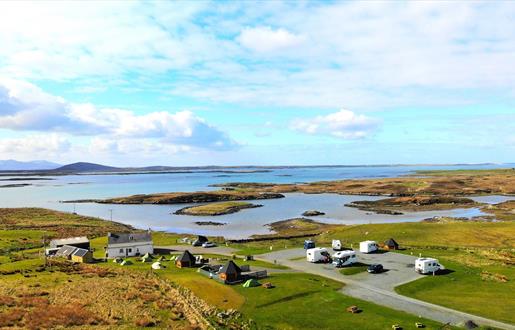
{"x": 379, "y": 288}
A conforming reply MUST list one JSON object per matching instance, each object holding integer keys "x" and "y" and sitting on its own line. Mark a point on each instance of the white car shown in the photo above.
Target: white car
{"x": 208, "y": 244}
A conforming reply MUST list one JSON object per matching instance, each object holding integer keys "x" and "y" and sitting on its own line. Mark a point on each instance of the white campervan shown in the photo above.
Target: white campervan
{"x": 427, "y": 265}
{"x": 337, "y": 245}
{"x": 344, "y": 258}
{"x": 317, "y": 255}
{"x": 368, "y": 246}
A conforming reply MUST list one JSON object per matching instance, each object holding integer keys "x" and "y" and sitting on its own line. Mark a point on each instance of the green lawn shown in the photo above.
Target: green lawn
{"x": 302, "y": 301}
{"x": 475, "y": 285}
{"x": 11, "y": 240}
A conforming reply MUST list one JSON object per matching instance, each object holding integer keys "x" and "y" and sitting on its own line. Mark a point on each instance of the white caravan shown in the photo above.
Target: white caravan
{"x": 337, "y": 245}
{"x": 427, "y": 265}
{"x": 317, "y": 255}
{"x": 368, "y": 246}
{"x": 344, "y": 258}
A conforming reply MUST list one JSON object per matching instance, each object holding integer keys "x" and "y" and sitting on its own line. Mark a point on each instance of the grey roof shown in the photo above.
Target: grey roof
{"x": 65, "y": 251}
{"x": 121, "y": 238}
{"x": 230, "y": 268}
{"x": 70, "y": 240}
{"x": 186, "y": 256}
{"x": 391, "y": 242}
{"x": 80, "y": 252}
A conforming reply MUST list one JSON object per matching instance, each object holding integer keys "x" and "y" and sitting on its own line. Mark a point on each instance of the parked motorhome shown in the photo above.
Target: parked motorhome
{"x": 427, "y": 265}
{"x": 368, "y": 246}
{"x": 344, "y": 258}
{"x": 318, "y": 255}
{"x": 337, "y": 245}
{"x": 309, "y": 244}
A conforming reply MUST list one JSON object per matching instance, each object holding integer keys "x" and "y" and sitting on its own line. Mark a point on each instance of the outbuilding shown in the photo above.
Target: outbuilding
{"x": 129, "y": 244}
{"x": 230, "y": 272}
{"x": 186, "y": 259}
{"x": 66, "y": 252}
{"x": 391, "y": 244}
{"x": 80, "y": 242}
{"x": 82, "y": 256}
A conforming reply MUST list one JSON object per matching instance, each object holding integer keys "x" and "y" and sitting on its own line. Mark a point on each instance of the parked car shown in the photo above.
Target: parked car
{"x": 375, "y": 268}
{"x": 208, "y": 244}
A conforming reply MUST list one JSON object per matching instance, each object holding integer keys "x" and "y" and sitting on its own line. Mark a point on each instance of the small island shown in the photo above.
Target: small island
{"x": 214, "y": 209}
{"x": 209, "y": 223}
{"x": 398, "y": 205}
{"x": 312, "y": 213}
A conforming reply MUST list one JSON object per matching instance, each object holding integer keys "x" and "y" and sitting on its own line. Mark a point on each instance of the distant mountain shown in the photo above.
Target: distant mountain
{"x": 14, "y": 165}
{"x": 85, "y": 167}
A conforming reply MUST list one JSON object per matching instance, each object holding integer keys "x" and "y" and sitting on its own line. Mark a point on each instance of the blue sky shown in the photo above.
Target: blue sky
{"x": 264, "y": 83}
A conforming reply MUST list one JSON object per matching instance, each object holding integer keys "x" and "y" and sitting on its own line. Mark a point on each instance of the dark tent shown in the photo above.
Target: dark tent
{"x": 391, "y": 244}
{"x": 186, "y": 259}
{"x": 230, "y": 272}
{"x": 202, "y": 239}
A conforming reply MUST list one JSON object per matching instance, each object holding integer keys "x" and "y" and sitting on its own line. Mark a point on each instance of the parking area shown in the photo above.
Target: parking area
{"x": 399, "y": 268}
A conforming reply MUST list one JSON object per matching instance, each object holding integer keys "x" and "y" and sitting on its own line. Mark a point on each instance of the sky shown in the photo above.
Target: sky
{"x": 129, "y": 83}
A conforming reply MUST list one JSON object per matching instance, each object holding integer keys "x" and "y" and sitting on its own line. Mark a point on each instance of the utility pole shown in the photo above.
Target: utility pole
{"x": 111, "y": 212}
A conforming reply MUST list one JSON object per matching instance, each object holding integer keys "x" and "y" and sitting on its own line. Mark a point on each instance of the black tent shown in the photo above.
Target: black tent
{"x": 391, "y": 244}
{"x": 230, "y": 272}
{"x": 202, "y": 239}
{"x": 186, "y": 259}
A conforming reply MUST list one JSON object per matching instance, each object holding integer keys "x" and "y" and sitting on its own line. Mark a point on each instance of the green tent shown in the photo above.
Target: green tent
{"x": 251, "y": 283}
{"x": 161, "y": 258}
{"x": 126, "y": 263}
{"x": 117, "y": 260}
{"x": 172, "y": 258}
{"x": 146, "y": 259}
{"x": 147, "y": 255}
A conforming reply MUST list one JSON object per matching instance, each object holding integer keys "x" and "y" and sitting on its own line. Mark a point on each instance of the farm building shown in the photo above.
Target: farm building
{"x": 129, "y": 244}
{"x": 391, "y": 244}
{"x": 80, "y": 242}
{"x": 74, "y": 254}
{"x": 82, "y": 256}
{"x": 230, "y": 272}
{"x": 186, "y": 259}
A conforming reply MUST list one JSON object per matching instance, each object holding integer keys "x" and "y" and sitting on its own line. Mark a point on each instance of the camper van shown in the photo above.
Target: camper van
{"x": 344, "y": 258}
{"x": 368, "y": 246}
{"x": 427, "y": 265}
{"x": 318, "y": 255}
{"x": 337, "y": 245}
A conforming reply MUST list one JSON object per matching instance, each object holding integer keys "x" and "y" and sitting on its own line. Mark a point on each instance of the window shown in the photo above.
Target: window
{"x": 121, "y": 250}
{"x": 130, "y": 250}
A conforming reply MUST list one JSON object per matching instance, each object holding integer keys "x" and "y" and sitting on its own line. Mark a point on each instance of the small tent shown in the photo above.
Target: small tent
{"x": 186, "y": 259}
{"x": 126, "y": 263}
{"x": 391, "y": 244}
{"x": 117, "y": 260}
{"x": 230, "y": 272}
{"x": 172, "y": 258}
{"x": 156, "y": 265}
{"x": 161, "y": 258}
{"x": 147, "y": 255}
{"x": 146, "y": 258}
{"x": 251, "y": 283}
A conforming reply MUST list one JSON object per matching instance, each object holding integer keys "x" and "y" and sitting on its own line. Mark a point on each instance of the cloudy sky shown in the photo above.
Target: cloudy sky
{"x": 196, "y": 83}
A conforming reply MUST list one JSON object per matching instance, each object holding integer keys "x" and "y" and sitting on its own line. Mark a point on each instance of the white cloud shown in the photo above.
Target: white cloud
{"x": 28, "y": 108}
{"x": 35, "y": 145}
{"x": 264, "y": 39}
{"x": 343, "y": 124}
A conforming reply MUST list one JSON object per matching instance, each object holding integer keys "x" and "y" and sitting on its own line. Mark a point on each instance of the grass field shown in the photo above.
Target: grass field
{"x": 301, "y": 301}
{"x": 354, "y": 269}
{"x": 481, "y": 282}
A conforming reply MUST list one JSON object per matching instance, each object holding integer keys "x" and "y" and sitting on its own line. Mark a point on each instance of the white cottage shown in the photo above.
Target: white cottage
{"x": 129, "y": 244}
